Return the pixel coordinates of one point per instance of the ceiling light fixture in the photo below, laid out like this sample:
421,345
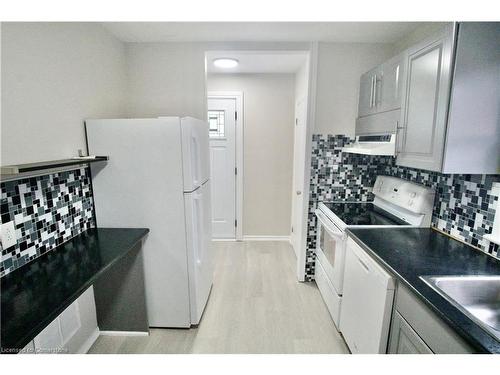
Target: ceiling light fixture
226,63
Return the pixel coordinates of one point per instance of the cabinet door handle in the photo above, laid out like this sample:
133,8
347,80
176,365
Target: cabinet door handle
371,93
375,91
396,92
399,138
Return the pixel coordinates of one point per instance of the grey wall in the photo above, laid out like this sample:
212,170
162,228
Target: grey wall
269,105
166,79
420,33
339,67
54,75
169,78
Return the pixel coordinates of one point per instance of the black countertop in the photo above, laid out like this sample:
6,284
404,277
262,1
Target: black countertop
36,293
409,253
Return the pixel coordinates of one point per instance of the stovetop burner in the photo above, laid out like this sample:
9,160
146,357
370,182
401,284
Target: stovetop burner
362,213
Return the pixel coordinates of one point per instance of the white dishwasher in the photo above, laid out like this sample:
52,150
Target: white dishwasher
366,308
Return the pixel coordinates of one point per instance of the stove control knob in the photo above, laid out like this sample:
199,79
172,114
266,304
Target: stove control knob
410,202
413,195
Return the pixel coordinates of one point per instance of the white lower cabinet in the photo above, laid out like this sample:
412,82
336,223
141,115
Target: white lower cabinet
404,340
29,348
73,331
415,328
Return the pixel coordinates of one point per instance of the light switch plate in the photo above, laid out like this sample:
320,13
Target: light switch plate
8,234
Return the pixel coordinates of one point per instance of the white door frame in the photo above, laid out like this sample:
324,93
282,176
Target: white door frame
310,118
238,96
295,235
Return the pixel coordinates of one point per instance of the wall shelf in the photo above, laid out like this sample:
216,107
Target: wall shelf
18,171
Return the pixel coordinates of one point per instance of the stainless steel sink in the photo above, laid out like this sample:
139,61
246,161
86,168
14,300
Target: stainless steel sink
476,296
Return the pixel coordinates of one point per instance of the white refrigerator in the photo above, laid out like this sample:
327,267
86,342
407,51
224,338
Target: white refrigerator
158,177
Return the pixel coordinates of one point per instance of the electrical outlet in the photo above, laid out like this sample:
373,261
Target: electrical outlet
8,234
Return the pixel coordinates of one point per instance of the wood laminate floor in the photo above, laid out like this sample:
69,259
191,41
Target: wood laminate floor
256,306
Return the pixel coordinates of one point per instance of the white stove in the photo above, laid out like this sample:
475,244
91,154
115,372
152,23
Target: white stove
397,203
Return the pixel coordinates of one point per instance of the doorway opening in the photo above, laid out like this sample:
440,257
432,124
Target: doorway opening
225,118
260,110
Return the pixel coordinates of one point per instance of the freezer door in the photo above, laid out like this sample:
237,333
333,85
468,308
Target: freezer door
195,152
200,251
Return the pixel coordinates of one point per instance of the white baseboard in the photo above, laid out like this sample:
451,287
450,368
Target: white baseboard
124,333
266,238
224,239
89,342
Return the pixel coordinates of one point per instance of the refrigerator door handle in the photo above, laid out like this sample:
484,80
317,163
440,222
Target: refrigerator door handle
195,160
198,227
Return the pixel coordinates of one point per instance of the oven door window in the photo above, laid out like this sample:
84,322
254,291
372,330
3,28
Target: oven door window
328,245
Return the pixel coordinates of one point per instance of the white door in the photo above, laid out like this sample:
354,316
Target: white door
222,133
299,149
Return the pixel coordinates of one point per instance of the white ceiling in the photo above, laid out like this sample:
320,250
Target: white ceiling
258,62
354,32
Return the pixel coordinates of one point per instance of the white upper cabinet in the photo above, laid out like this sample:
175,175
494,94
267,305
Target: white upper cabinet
367,104
423,125
380,89
442,99
380,92
473,132
450,119
390,87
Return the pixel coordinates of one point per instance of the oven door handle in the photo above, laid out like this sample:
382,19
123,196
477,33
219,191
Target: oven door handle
329,226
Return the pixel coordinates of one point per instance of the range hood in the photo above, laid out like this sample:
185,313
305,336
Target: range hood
383,144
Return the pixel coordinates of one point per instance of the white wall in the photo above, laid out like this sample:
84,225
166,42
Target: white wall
169,78
268,148
302,81
166,79
420,33
339,68
54,75
1,94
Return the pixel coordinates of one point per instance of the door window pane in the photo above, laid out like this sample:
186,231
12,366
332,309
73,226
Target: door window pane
216,123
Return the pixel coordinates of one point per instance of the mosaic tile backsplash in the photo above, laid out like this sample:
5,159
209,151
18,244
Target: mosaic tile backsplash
47,211
464,205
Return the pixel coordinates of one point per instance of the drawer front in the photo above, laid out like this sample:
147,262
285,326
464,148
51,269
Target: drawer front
331,298
438,336
379,123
